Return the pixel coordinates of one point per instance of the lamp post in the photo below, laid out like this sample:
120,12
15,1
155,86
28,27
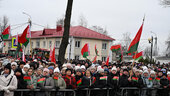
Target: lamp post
151,42
30,23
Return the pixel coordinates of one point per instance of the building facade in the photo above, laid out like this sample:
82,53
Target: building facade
79,36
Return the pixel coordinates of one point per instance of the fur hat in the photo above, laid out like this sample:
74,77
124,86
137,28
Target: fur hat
114,68
46,69
56,70
152,72
14,63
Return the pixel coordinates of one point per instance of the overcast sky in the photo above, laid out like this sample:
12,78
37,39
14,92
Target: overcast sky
117,16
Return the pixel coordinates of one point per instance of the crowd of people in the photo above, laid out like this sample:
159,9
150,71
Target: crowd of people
81,74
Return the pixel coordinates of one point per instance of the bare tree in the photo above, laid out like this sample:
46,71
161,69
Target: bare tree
147,51
60,21
82,21
99,29
4,23
64,42
165,3
126,40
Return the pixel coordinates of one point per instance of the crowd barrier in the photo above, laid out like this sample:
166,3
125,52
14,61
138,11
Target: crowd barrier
122,91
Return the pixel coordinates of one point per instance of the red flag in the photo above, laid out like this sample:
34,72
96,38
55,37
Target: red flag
134,44
23,39
6,33
53,56
85,50
94,60
115,47
138,56
107,61
50,53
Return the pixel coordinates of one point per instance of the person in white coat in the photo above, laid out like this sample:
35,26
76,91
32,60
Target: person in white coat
8,81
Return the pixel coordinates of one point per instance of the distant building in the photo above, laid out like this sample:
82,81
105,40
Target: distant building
78,37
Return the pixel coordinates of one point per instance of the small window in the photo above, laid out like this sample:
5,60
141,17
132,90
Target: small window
77,44
77,57
50,44
57,44
103,58
38,44
44,44
104,46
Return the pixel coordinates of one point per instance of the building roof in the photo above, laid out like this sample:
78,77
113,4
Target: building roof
75,31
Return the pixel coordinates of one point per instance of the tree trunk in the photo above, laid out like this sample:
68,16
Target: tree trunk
65,38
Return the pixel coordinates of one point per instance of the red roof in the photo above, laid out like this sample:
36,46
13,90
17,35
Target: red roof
75,31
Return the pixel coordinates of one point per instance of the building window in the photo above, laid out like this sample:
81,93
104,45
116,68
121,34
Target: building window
38,44
103,58
50,44
77,57
44,44
57,44
77,44
104,46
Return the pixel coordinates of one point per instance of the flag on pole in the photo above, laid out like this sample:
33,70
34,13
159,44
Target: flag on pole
138,56
85,50
50,53
23,38
29,32
134,44
53,56
115,48
107,61
96,51
95,58
6,33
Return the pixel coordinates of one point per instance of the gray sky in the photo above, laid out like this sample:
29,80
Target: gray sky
117,16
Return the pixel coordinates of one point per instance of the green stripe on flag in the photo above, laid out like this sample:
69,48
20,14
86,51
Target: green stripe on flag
5,36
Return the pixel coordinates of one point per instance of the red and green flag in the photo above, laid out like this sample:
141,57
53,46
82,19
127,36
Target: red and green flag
96,51
41,80
103,78
107,61
138,56
115,78
94,80
85,50
55,78
134,44
95,58
135,79
6,33
157,79
79,82
115,48
27,78
68,77
23,38
53,56
150,79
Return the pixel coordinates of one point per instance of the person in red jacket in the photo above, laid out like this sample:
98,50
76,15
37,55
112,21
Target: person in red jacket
70,80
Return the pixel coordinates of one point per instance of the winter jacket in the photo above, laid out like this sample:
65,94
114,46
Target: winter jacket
154,82
32,81
164,82
136,81
4,82
60,83
123,81
146,82
101,81
113,80
70,82
87,82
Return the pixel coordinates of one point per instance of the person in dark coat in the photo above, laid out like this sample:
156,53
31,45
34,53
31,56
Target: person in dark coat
113,81
21,83
101,82
164,84
78,78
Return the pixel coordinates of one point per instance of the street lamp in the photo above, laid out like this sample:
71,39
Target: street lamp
151,42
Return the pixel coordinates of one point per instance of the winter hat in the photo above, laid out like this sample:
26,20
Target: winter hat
137,70
8,66
168,73
78,70
46,69
18,70
26,66
164,74
140,71
77,67
56,70
114,68
125,70
22,62
83,67
163,70
5,62
14,63
68,70
51,67
152,72
145,71
100,70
